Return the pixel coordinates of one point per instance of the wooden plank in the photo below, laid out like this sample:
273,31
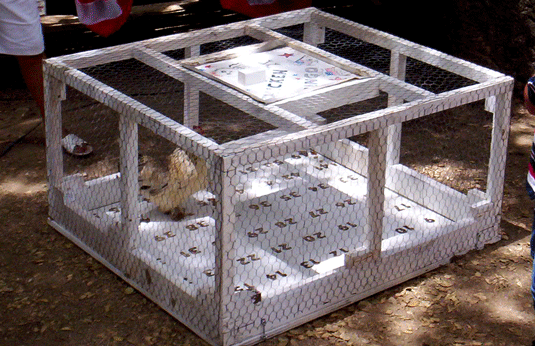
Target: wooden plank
98,56
498,150
426,191
375,201
103,191
191,94
129,185
331,97
410,49
227,54
347,153
54,93
225,247
398,65
244,142
401,90
404,181
93,194
313,34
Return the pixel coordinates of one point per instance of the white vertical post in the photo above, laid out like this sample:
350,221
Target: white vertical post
54,93
128,135
191,94
398,63
490,104
313,34
377,155
225,257
498,148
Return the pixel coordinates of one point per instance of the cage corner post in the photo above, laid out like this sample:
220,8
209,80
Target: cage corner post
498,152
224,250
54,94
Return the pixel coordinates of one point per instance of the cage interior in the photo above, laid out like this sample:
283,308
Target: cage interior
196,195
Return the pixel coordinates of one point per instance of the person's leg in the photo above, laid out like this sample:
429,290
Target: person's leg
21,36
532,247
31,67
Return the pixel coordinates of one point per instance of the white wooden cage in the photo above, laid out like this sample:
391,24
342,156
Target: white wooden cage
294,205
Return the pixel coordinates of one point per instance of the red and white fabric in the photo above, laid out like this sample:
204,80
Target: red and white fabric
103,17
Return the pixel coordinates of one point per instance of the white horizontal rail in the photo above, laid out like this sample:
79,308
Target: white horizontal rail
141,114
353,126
183,40
410,49
327,98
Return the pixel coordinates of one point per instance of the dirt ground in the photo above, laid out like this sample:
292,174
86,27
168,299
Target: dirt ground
53,293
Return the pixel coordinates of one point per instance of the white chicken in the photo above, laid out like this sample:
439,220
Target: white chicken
170,188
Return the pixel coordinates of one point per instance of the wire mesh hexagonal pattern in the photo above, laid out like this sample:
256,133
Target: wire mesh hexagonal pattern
254,176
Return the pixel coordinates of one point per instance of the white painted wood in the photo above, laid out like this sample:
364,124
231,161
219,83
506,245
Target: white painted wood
490,104
225,249
498,148
191,94
398,65
98,56
377,144
91,194
422,189
309,104
313,34
402,90
407,48
54,93
297,221
374,120
151,295
260,137
128,160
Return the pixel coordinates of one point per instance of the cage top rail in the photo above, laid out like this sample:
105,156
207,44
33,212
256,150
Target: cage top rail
181,40
280,114
405,47
354,126
312,15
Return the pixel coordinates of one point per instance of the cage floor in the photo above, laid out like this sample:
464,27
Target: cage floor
295,220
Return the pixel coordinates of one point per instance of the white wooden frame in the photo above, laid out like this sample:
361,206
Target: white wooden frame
218,320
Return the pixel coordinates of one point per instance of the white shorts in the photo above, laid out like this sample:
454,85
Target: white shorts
20,28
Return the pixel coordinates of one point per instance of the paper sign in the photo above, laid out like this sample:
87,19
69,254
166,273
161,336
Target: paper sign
288,73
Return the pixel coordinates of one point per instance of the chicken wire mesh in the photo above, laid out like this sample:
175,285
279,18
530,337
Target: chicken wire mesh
251,177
